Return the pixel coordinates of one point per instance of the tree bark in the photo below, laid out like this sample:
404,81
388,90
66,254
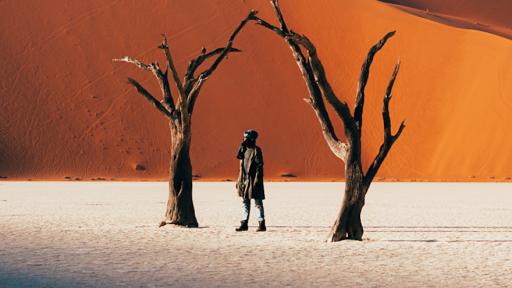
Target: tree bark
348,222
180,206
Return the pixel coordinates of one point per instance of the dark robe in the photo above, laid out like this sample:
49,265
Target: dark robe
250,179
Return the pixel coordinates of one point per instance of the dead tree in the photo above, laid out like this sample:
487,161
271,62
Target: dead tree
348,222
178,110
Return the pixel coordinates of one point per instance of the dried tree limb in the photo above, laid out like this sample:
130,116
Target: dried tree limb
269,26
340,107
314,87
194,64
162,78
166,90
363,80
194,93
190,79
389,139
385,109
229,46
348,224
339,148
136,62
194,87
387,97
317,103
279,15
150,97
179,86
316,99
314,73
180,209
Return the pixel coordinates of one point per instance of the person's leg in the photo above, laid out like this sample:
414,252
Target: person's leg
261,215
247,209
244,224
261,212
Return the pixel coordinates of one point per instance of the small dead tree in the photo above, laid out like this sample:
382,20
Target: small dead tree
180,206
348,222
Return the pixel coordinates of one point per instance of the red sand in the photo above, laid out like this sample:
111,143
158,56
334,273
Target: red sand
68,111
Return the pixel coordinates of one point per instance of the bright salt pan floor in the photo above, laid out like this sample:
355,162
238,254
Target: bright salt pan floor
105,235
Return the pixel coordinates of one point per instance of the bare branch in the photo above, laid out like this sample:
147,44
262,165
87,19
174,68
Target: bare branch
338,148
363,79
389,139
314,86
348,225
340,107
387,98
194,92
194,86
162,78
166,90
190,79
217,51
165,46
150,97
279,14
268,26
229,46
136,62
316,101
399,132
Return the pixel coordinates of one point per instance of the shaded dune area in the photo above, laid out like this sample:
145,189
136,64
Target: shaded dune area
488,16
67,112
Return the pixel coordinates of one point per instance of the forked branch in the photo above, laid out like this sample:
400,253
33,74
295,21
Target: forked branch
313,73
229,45
279,15
162,78
195,88
389,138
179,86
150,97
190,78
268,26
339,106
189,91
363,80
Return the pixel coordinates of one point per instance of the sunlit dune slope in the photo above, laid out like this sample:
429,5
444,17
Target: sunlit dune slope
67,110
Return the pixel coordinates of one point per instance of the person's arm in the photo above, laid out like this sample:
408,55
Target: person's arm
241,151
258,161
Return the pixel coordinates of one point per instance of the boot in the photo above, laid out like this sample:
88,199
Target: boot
243,226
262,227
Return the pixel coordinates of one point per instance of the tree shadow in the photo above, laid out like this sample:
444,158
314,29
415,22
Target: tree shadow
448,241
416,229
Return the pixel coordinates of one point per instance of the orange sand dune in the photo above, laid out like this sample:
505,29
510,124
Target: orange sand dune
67,111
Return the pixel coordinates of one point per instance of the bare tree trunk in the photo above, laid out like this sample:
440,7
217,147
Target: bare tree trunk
178,110
180,206
348,222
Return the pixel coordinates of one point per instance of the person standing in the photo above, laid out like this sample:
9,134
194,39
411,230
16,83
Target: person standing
250,180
